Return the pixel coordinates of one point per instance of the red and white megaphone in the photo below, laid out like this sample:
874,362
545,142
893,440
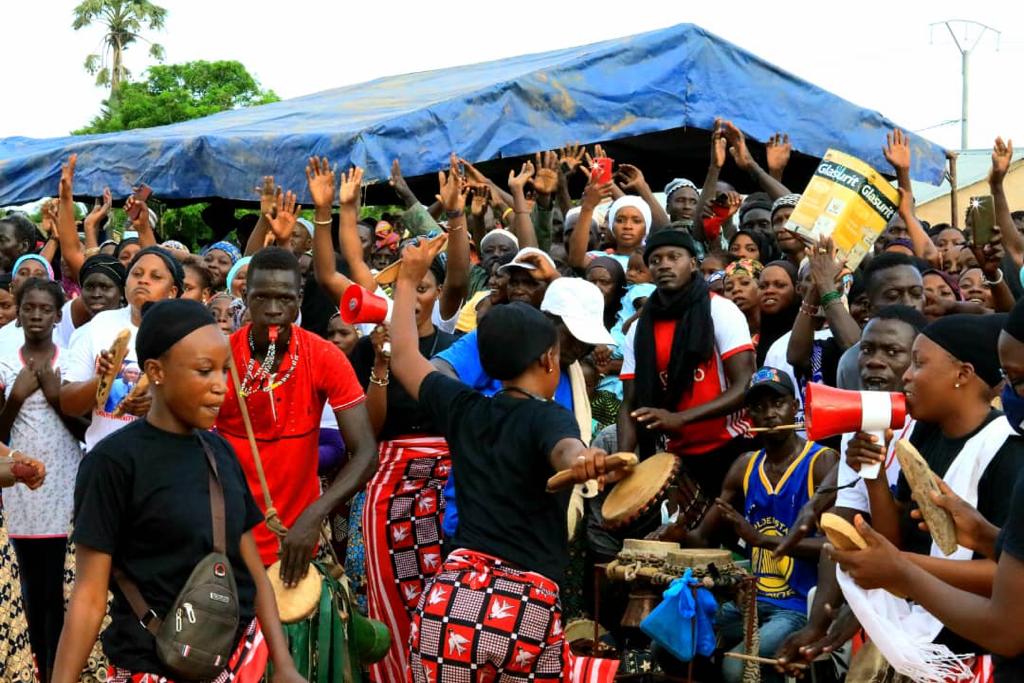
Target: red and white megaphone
360,306
829,411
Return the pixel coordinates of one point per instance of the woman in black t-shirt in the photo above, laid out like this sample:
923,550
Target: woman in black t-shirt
142,505
493,605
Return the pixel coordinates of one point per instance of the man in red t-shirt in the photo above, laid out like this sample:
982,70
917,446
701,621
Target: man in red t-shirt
286,381
685,366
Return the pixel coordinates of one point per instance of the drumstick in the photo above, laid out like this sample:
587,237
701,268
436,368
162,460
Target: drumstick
615,461
759,430
764,660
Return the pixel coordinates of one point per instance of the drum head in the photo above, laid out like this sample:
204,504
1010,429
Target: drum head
298,603
639,489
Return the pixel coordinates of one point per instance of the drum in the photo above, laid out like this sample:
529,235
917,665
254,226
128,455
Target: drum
634,504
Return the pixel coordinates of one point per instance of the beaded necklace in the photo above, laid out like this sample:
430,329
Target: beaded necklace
261,377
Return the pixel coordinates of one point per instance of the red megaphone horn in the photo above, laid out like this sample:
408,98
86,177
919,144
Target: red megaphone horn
829,411
360,306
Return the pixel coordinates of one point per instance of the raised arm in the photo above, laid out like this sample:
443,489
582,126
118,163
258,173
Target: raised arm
348,229
707,192
897,153
141,225
92,222
631,179
320,178
456,278
741,155
407,363
777,152
522,224
268,203
1013,243
283,219
592,196
67,233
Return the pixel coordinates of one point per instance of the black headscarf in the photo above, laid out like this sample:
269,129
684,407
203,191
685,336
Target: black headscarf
614,268
165,323
106,265
173,265
971,339
766,244
692,344
775,325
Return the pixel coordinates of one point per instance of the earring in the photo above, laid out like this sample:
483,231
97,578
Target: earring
158,383
549,371
957,385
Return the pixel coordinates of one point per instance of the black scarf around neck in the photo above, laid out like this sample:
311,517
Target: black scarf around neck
692,344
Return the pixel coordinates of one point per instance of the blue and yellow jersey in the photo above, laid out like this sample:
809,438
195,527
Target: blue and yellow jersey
781,581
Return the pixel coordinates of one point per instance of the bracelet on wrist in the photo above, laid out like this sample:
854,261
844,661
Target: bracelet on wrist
326,222
997,281
453,214
506,212
378,381
829,298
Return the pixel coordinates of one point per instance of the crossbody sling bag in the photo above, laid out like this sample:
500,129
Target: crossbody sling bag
197,636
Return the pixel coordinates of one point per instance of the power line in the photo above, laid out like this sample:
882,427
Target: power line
966,46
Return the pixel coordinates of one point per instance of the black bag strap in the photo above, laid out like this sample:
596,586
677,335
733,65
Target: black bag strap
149,619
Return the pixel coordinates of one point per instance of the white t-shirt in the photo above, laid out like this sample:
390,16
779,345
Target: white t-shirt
39,433
63,330
328,420
78,364
856,497
12,338
776,358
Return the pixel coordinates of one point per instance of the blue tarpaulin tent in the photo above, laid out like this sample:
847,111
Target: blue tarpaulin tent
676,79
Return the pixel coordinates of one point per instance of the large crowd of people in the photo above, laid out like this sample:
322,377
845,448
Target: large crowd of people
527,331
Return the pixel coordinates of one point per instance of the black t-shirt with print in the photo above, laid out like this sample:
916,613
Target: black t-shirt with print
501,448
142,496
994,492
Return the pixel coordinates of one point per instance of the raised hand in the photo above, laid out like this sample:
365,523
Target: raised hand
417,257
518,182
825,271
897,150
481,198
320,177
1002,155
593,193
267,194
50,211
630,178
141,222
737,145
718,145
398,184
570,157
452,195
286,213
778,151
351,186
545,181
100,209
67,178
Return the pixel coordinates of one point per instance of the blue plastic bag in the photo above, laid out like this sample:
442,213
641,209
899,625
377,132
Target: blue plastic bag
683,624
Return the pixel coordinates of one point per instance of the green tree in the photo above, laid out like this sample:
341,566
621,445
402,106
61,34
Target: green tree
123,22
179,92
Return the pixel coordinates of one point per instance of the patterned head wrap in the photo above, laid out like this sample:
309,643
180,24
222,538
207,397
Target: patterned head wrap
785,200
231,250
677,183
32,257
744,266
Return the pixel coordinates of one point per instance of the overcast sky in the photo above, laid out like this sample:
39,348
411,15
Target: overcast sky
881,55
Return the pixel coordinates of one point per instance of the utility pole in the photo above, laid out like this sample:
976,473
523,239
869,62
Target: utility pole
966,46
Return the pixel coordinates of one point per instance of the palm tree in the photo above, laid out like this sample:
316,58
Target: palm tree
123,21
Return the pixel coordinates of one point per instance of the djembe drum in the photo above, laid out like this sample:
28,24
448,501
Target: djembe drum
633,507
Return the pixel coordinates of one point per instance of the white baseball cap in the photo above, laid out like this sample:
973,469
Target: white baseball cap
580,305
518,262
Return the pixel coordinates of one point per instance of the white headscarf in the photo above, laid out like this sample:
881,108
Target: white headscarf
635,202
